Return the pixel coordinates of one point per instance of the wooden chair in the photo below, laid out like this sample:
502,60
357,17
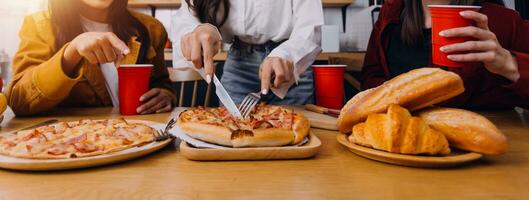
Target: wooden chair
188,75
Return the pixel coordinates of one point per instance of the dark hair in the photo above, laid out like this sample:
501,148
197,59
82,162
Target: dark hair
214,12
412,18
67,25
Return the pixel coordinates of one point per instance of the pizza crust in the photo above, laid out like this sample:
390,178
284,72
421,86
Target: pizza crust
205,132
260,137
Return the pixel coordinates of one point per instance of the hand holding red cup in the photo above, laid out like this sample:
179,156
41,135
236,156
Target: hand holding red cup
485,48
135,97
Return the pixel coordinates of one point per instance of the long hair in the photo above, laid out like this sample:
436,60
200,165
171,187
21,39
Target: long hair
412,18
67,25
214,12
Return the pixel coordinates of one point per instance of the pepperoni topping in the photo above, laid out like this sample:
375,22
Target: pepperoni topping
57,149
10,143
85,148
125,141
77,139
31,135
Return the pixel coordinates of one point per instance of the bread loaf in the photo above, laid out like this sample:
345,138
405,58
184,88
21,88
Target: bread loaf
466,130
414,90
399,132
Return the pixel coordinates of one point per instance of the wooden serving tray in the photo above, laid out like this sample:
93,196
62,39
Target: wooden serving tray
454,159
307,150
318,120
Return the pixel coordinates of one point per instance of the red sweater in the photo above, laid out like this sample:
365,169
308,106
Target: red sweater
482,88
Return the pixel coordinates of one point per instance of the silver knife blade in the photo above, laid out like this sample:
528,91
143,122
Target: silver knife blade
223,95
225,98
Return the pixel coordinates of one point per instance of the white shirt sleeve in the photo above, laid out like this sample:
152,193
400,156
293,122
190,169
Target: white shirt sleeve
182,23
304,43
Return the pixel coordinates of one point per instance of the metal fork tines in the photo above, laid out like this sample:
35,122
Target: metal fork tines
248,103
163,134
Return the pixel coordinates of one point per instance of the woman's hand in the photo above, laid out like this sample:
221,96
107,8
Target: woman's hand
486,49
95,47
277,69
200,46
155,101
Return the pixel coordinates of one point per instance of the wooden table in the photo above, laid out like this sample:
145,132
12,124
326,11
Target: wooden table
335,173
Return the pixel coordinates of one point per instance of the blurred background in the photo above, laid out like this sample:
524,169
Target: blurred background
348,24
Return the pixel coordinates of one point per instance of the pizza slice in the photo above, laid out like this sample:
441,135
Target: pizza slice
267,126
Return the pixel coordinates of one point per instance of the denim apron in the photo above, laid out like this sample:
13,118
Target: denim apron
241,75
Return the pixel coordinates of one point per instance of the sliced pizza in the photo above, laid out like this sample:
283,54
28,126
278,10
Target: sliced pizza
75,139
265,127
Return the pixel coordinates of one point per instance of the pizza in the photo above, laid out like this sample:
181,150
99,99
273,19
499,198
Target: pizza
266,126
75,139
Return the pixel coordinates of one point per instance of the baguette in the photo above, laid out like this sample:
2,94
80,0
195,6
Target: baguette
414,90
466,130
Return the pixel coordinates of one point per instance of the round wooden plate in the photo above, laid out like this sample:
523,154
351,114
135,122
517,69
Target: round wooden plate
75,163
455,158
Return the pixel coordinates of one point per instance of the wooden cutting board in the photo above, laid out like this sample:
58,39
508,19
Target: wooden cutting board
318,120
308,150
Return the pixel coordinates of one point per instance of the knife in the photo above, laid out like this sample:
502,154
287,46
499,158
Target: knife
322,110
223,95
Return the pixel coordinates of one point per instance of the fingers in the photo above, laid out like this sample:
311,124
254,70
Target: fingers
485,57
166,108
209,52
89,56
470,46
196,52
157,102
469,31
150,94
283,71
150,106
279,72
480,19
117,43
108,50
184,45
101,59
265,73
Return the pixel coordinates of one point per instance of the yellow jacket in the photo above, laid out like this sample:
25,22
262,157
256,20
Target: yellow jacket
39,83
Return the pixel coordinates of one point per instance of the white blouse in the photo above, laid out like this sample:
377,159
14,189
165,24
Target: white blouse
259,21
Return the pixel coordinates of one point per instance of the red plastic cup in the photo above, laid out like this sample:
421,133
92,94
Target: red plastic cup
446,17
133,82
329,85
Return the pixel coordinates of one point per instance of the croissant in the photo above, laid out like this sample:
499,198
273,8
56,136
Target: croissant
399,132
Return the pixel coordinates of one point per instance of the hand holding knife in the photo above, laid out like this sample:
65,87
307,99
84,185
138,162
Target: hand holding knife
223,95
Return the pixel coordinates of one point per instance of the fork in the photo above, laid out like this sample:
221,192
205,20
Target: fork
248,103
163,134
